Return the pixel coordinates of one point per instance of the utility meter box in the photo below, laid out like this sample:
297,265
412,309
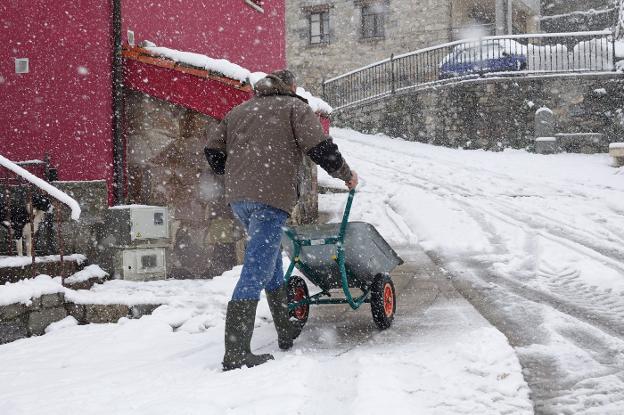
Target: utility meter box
136,225
136,241
141,264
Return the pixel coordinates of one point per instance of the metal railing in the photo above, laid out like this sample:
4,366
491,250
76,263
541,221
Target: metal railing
471,58
19,197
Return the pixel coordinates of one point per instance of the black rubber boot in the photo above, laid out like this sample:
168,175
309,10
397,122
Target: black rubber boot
239,326
278,304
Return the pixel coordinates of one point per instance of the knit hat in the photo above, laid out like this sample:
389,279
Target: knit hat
285,76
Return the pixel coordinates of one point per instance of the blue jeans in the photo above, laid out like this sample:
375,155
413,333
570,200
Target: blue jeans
262,268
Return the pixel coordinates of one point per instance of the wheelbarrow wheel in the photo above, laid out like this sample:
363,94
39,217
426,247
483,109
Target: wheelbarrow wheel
383,301
298,291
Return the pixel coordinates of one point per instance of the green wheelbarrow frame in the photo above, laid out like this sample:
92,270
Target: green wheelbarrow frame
324,296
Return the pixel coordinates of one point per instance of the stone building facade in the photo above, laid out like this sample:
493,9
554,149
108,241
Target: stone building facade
326,38
578,15
167,167
462,114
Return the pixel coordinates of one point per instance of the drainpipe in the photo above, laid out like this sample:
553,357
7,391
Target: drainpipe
500,17
510,17
117,72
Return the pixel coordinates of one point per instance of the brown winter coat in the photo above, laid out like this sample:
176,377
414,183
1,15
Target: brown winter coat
264,140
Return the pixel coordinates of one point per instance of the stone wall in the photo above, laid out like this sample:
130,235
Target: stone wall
166,167
21,320
78,236
409,25
494,113
577,15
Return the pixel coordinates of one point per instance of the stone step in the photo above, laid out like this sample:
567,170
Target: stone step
14,268
616,150
20,320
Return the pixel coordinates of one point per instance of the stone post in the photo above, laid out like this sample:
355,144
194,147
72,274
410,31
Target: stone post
545,140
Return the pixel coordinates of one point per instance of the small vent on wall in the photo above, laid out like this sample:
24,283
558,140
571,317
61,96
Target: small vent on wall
256,4
22,65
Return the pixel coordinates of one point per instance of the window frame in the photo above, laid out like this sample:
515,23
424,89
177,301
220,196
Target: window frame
323,21
378,21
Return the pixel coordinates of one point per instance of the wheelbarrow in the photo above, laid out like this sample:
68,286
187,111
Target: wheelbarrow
346,255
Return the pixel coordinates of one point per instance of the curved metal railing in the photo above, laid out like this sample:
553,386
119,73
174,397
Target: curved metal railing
543,53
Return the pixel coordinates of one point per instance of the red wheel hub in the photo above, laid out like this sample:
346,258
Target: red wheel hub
302,311
388,297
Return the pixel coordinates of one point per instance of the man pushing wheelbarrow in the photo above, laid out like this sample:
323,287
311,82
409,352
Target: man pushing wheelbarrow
259,147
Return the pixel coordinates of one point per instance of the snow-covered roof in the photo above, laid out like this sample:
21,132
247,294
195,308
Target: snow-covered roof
229,70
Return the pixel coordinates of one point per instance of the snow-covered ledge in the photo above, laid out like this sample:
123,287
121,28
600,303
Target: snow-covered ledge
43,185
229,70
616,150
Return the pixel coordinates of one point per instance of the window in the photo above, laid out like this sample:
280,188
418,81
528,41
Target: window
319,28
373,21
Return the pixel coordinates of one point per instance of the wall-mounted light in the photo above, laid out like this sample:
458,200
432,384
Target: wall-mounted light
22,65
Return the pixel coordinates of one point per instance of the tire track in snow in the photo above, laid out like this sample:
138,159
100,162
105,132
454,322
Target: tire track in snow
592,311
551,223
591,326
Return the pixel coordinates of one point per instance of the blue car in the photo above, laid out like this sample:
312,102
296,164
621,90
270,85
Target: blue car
481,57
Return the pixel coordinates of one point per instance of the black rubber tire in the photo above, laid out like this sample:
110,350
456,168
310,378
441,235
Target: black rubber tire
297,288
382,291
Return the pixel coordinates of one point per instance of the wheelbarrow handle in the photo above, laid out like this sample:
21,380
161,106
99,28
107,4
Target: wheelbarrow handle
345,216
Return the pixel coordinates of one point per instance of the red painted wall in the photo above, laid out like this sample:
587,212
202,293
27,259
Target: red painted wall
63,106
228,29
207,96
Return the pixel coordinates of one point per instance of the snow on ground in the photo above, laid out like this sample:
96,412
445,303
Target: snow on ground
24,261
539,240
23,291
540,235
169,363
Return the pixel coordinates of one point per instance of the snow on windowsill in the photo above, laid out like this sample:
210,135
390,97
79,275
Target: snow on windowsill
230,70
616,145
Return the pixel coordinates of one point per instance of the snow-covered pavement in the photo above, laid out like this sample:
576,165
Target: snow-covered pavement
440,357
537,243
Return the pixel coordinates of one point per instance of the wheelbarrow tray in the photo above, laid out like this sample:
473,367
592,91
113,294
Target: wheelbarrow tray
367,254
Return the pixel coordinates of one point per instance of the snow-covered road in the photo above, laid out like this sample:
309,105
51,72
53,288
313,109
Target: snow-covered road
537,243
441,357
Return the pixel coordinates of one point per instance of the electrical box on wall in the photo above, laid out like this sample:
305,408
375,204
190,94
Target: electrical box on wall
134,225
22,65
136,241
141,264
